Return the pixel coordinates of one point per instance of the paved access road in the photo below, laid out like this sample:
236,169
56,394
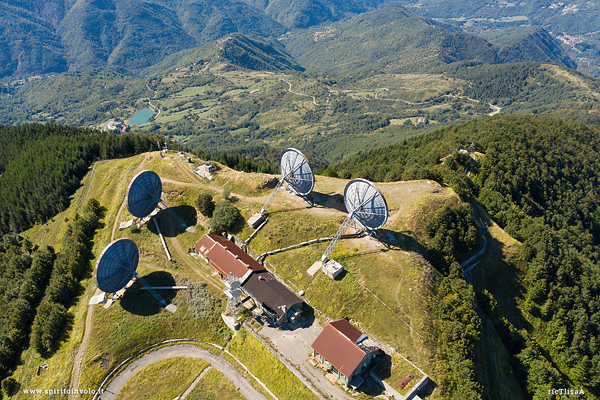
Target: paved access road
182,350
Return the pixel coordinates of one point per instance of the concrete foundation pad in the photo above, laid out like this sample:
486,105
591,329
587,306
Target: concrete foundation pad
332,269
230,322
125,225
171,308
315,268
98,299
255,220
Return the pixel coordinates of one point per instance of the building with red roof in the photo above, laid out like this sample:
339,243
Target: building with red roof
226,257
345,350
277,302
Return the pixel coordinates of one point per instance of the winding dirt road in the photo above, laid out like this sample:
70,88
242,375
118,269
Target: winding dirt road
182,350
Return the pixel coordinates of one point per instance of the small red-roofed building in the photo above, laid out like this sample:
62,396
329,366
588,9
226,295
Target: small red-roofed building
345,350
226,257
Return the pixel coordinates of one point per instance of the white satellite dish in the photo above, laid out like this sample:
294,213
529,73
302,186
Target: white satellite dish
365,205
296,172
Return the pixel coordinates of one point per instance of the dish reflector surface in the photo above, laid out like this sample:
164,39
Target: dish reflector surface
116,265
296,171
365,204
143,194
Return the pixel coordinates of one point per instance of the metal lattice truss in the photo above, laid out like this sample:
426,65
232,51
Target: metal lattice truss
234,295
152,291
336,239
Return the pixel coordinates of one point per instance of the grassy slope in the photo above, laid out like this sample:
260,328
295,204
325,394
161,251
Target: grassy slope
501,274
149,383
214,386
262,363
372,271
391,273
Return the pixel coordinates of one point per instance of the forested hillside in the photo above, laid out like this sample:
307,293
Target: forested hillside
392,39
395,39
535,44
37,288
44,36
572,24
529,87
256,54
44,164
305,13
538,180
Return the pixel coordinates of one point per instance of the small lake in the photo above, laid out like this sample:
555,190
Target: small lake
141,117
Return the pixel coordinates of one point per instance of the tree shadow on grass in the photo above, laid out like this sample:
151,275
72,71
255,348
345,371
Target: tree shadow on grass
140,301
169,226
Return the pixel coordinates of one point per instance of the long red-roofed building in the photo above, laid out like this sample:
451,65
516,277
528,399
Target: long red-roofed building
345,350
226,257
278,302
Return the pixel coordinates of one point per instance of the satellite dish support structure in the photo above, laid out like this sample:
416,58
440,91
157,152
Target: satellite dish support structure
290,173
355,209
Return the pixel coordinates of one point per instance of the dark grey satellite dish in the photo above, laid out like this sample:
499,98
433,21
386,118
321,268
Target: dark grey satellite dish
143,194
117,266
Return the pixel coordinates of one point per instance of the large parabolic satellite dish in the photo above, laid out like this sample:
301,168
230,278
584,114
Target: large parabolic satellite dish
143,194
116,265
365,204
296,172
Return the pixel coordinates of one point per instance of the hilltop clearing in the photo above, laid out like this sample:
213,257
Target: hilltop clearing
536,180
383,289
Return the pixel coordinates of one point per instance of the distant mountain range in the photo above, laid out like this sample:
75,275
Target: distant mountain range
394,39
52,35
44,36
575,23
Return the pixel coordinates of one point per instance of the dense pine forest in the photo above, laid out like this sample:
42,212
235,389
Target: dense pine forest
538,179
42,166
38,286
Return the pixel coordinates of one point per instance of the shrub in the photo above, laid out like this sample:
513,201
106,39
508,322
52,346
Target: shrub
8,386
224,216
205,204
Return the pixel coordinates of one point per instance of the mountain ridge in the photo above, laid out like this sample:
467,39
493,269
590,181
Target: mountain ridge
395,39
46,36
